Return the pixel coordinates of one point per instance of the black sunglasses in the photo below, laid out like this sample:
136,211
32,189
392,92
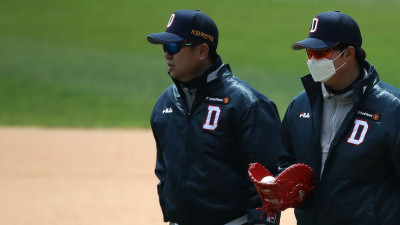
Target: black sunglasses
173,48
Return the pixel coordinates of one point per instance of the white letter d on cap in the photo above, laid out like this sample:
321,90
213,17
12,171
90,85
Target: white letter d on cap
314,25
171,19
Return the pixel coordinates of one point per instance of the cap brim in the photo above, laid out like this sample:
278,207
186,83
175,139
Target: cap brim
163,38
313,43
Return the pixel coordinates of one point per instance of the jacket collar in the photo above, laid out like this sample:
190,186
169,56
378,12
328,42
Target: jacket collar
214,73
364,85
211,73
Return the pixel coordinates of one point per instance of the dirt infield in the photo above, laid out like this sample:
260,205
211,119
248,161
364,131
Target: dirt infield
80,177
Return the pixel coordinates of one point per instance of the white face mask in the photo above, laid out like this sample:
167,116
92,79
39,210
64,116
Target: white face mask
323,69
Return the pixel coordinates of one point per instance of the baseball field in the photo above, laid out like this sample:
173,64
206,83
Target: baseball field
81,177
78,81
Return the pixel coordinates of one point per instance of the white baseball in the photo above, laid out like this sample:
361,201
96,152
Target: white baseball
268,180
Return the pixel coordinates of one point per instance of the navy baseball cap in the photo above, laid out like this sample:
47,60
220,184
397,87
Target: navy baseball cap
184,25
329,29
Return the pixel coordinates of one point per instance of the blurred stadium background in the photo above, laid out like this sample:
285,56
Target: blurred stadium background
86,63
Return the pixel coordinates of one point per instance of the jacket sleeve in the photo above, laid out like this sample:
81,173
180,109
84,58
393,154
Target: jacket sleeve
394,152
160,171
259,142
286,156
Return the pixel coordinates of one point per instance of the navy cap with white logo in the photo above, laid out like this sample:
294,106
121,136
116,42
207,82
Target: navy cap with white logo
329,29
188,25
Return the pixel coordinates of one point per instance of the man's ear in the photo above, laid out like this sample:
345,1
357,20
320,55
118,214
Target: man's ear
350,52
204,51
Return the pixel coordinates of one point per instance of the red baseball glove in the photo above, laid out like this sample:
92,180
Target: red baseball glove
290,188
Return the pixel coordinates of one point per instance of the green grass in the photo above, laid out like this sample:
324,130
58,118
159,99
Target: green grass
86,63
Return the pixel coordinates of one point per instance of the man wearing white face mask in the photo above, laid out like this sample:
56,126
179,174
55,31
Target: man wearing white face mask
346,126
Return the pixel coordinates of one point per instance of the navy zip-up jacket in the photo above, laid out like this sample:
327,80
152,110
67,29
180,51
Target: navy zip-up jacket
203,154
360,184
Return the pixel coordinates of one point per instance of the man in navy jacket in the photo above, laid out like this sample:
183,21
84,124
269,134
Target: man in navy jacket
208,126
346,126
